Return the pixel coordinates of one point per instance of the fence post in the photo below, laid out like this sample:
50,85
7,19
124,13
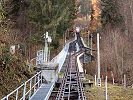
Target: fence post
124,81
95,80
113,81
24,91
106,89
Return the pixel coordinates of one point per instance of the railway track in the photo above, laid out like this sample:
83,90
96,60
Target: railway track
71,87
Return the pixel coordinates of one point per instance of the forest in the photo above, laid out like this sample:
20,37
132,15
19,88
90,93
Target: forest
23,24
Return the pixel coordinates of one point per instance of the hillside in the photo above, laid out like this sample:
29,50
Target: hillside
116,40
113,20
22,25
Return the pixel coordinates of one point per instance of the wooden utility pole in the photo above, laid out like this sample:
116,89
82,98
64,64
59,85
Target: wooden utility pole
98,61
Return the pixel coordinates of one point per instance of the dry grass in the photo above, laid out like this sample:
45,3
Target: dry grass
114,93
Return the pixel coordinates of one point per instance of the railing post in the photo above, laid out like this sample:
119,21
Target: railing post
24,91
17,95
41,78
35,84
30,88
38,80
7,98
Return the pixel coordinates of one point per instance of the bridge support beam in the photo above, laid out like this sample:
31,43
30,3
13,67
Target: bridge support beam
49,74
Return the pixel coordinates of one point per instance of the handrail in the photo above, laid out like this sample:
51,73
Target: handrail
84,43
60,58
37,79
66,47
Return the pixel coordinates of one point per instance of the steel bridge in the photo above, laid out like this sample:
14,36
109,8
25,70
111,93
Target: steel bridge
71,84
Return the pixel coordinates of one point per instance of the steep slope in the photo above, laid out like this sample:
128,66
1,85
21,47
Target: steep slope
23,24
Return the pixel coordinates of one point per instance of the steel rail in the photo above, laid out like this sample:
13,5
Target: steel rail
70,69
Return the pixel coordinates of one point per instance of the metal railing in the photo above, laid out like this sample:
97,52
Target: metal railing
27,89
60,58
